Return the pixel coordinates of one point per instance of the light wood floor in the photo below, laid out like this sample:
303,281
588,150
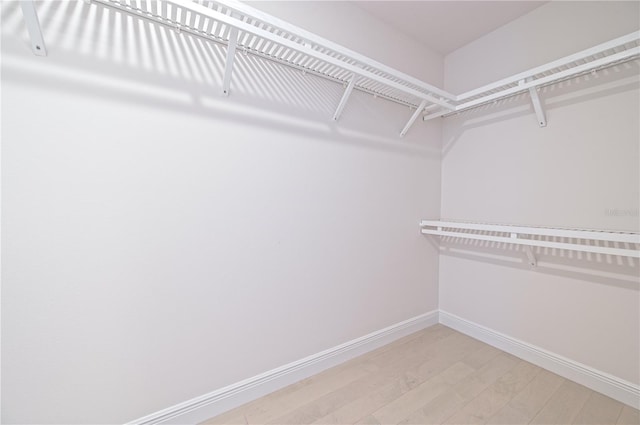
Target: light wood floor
434,376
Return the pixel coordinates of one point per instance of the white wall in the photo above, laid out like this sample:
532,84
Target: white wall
500,167
160,242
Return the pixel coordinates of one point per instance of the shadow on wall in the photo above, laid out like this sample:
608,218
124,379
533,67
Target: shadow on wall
605,82
101,52
603,269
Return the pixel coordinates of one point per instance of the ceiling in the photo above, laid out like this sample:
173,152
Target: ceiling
447,25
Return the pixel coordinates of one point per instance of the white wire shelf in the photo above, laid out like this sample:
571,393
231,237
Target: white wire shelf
610,53
243,28
248,30
625,244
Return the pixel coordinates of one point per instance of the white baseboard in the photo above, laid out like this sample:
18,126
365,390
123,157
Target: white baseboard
614,387
209,405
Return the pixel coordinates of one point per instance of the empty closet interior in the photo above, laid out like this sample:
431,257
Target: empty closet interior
206,201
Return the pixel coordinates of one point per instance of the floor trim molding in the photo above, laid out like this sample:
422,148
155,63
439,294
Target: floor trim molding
612,386
209,405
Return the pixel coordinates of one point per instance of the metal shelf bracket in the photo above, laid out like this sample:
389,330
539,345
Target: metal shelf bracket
33,27
531,258
413,118
345,97
537,104
231,55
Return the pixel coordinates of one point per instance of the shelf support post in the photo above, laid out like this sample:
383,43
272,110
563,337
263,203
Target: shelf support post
414,117
345,97
537,104
231,54
530,256
33,27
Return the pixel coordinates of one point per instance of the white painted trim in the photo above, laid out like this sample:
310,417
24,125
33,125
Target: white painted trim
209,405
612,386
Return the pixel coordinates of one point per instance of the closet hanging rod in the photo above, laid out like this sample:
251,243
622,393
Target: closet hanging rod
521,235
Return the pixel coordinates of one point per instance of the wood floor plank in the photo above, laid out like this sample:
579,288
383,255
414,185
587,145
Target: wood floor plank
509,416
362,407
564,404
629,416
449,403
396,411
379,397
437,410
368,420
599,409
495,397
456,373
479,358
535,395
444,358
376,399
486,375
